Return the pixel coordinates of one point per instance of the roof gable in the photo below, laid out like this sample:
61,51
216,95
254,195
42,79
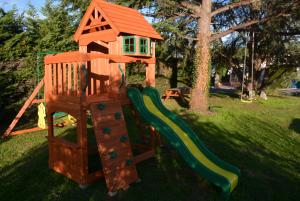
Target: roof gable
94,20
101,16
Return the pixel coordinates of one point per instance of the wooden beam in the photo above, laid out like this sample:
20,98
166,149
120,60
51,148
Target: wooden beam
95,25
37,101
26,131
106,36
84,57
144,156
102,43
23,109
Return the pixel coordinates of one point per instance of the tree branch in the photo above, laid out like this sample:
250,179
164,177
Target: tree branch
233,5
193,7
233,29
288,33
217,36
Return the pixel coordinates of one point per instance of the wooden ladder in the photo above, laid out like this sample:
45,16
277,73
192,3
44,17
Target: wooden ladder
113,145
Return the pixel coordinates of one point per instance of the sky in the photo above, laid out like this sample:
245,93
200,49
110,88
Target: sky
20,4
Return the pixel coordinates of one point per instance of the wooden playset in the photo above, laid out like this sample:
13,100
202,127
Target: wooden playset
92,81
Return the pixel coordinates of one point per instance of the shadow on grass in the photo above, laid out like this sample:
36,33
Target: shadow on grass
29,178
184,103
295,125
265,174
233,93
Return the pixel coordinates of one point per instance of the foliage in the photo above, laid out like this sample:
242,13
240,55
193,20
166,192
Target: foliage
57,31
12,44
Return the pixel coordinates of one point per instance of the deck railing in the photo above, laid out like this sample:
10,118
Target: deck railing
69,74
64,79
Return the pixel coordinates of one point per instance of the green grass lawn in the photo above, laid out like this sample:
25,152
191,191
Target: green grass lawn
262,139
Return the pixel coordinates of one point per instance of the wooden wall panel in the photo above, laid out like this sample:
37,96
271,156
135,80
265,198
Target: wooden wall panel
99,67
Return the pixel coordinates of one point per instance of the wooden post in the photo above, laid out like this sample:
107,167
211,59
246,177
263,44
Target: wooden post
150,75
83,49
82,142
117,79
48,81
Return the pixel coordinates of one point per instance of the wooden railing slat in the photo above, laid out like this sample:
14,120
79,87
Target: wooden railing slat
64,78
55,91
69,92
75,79
59,78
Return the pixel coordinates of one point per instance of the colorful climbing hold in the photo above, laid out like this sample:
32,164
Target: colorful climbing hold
129,162
123,139
101,106
113,155
106,130
118,115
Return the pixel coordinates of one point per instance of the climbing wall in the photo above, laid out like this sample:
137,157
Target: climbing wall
113,145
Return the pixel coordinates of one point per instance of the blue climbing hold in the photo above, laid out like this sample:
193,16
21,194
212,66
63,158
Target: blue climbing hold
123,139
106,131
118,115
129,162
101,106
113,155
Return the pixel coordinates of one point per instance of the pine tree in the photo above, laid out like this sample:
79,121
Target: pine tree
57,28
12,44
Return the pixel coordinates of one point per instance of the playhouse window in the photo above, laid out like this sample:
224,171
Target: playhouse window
143,45
129,44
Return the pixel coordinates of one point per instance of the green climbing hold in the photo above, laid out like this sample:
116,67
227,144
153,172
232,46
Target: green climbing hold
101,106
118,115
113,155
129,162
123,139
106,130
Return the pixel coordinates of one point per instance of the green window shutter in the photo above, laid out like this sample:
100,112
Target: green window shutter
143,45
129,44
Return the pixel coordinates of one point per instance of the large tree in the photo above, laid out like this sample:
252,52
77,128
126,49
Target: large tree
226,17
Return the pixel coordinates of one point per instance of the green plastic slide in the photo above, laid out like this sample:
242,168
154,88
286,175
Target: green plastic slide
184,139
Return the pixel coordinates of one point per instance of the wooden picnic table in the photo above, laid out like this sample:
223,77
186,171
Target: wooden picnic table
176,93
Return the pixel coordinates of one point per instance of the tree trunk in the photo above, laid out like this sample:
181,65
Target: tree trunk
174,76
200,92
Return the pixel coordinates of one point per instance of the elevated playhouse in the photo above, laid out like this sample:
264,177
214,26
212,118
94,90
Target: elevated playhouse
93,79
92,82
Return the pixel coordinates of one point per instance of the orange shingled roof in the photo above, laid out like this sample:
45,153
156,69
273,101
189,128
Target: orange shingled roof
122,20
